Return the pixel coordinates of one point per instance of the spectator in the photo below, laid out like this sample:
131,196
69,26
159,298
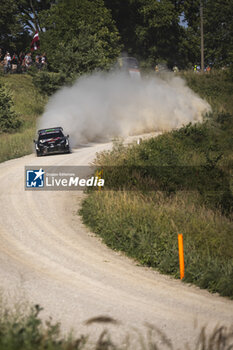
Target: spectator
38,61
21,62
28,60
23,66
14,63
21,57
7,62
44,61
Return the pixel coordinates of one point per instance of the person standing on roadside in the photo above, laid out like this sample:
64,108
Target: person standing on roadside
28,60
44,61
21,57
7,63
38,61
14,63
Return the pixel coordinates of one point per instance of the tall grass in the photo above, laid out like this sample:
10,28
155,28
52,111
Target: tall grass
16,145
27,101
145,226
215,87
28,104
22,329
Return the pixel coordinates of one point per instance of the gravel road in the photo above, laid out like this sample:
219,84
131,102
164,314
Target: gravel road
48,257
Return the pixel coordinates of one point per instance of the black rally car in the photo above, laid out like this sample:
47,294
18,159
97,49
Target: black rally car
51,141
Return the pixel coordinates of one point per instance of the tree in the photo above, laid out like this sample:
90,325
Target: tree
29,11
11,32
149,28
159,31
79,36
7,18
218,31
218,28
125,15
18,20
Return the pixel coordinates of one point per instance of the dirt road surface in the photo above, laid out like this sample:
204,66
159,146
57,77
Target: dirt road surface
48,257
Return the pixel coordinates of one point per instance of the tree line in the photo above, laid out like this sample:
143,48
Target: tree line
82,35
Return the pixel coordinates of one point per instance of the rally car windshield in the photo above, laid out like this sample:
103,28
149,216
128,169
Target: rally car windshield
130,62
51,135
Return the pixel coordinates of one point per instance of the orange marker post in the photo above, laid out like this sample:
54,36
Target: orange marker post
181,255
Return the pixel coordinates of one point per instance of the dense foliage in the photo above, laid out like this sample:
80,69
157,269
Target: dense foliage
218,28
9,120
150,29
154,30
80,36
18,19
12,35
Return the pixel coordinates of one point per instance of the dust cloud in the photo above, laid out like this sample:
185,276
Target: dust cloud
106,105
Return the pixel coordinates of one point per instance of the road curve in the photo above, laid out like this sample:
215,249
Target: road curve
48,257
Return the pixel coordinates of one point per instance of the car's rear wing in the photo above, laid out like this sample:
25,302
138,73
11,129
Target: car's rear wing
50,130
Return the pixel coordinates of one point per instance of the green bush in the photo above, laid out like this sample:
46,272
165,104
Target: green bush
48,83
215,87
194,158
9,120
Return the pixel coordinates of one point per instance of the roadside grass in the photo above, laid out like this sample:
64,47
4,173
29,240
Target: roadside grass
145,227
29,104
155,197
194,158
16,145
215,87
22,329
27,101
